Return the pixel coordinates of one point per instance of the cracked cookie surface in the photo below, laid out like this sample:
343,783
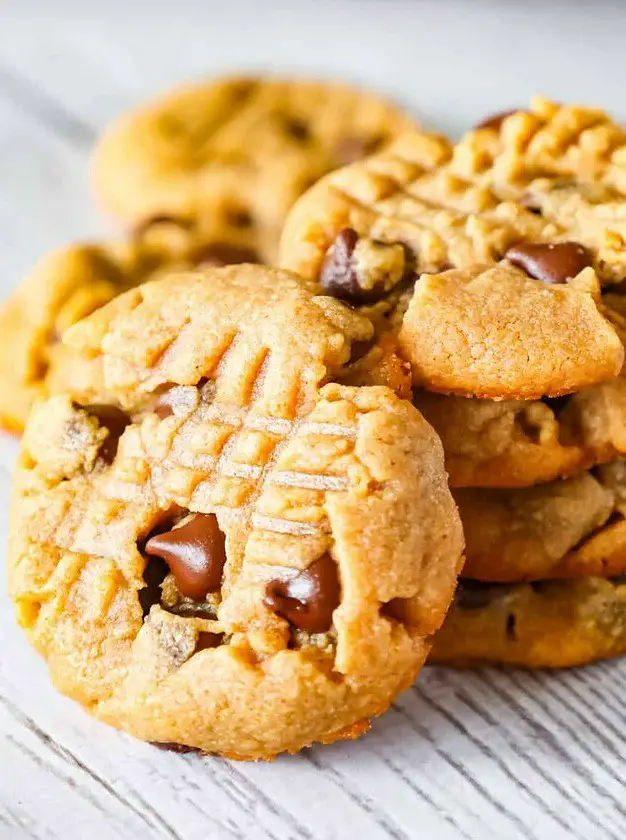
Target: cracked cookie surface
237,151
233,553
70,284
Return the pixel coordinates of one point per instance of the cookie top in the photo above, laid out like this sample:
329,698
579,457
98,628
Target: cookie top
68,285
517,443
550,140
562,529
548,624
499,332
237,151
234,553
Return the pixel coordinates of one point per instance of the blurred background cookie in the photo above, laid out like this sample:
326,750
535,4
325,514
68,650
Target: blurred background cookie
236,152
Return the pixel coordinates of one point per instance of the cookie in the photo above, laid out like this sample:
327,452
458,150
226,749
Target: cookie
71,283
234,553
562,529
548,624
237,151
505,332
517,443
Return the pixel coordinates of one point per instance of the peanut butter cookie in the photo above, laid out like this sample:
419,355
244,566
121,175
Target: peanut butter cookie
237,152
547,624
517,443
233,553
563,529
71,283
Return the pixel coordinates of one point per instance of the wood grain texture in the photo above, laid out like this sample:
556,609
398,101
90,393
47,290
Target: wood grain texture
485,756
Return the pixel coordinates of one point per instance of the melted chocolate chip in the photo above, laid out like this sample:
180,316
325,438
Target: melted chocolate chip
495,120
551,263
218,254
339,276
195,553
309,599
115,421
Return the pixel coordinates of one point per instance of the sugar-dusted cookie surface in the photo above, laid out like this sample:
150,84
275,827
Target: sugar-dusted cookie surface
71,283
547,624
563,529
237,151
233,553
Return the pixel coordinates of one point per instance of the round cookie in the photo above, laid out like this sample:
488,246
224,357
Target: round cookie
551,624
71,283
233,553
517,443
564,529
237,151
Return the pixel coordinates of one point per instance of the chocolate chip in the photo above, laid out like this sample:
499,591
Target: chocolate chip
115,421
511,623
340,277
195,553
350,149
172,746
495,120
309,599
550,263
218,254
208,640
298,129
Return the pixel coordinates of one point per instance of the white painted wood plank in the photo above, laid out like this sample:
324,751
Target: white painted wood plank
488,756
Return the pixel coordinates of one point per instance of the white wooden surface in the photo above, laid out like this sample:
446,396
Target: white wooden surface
487,756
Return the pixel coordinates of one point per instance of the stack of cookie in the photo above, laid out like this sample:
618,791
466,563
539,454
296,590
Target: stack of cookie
513,334
232,529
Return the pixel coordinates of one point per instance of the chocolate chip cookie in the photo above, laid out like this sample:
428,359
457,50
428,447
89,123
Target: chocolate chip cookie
548,624
562,529
523,284
236,152
233,552
69,284
517,443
